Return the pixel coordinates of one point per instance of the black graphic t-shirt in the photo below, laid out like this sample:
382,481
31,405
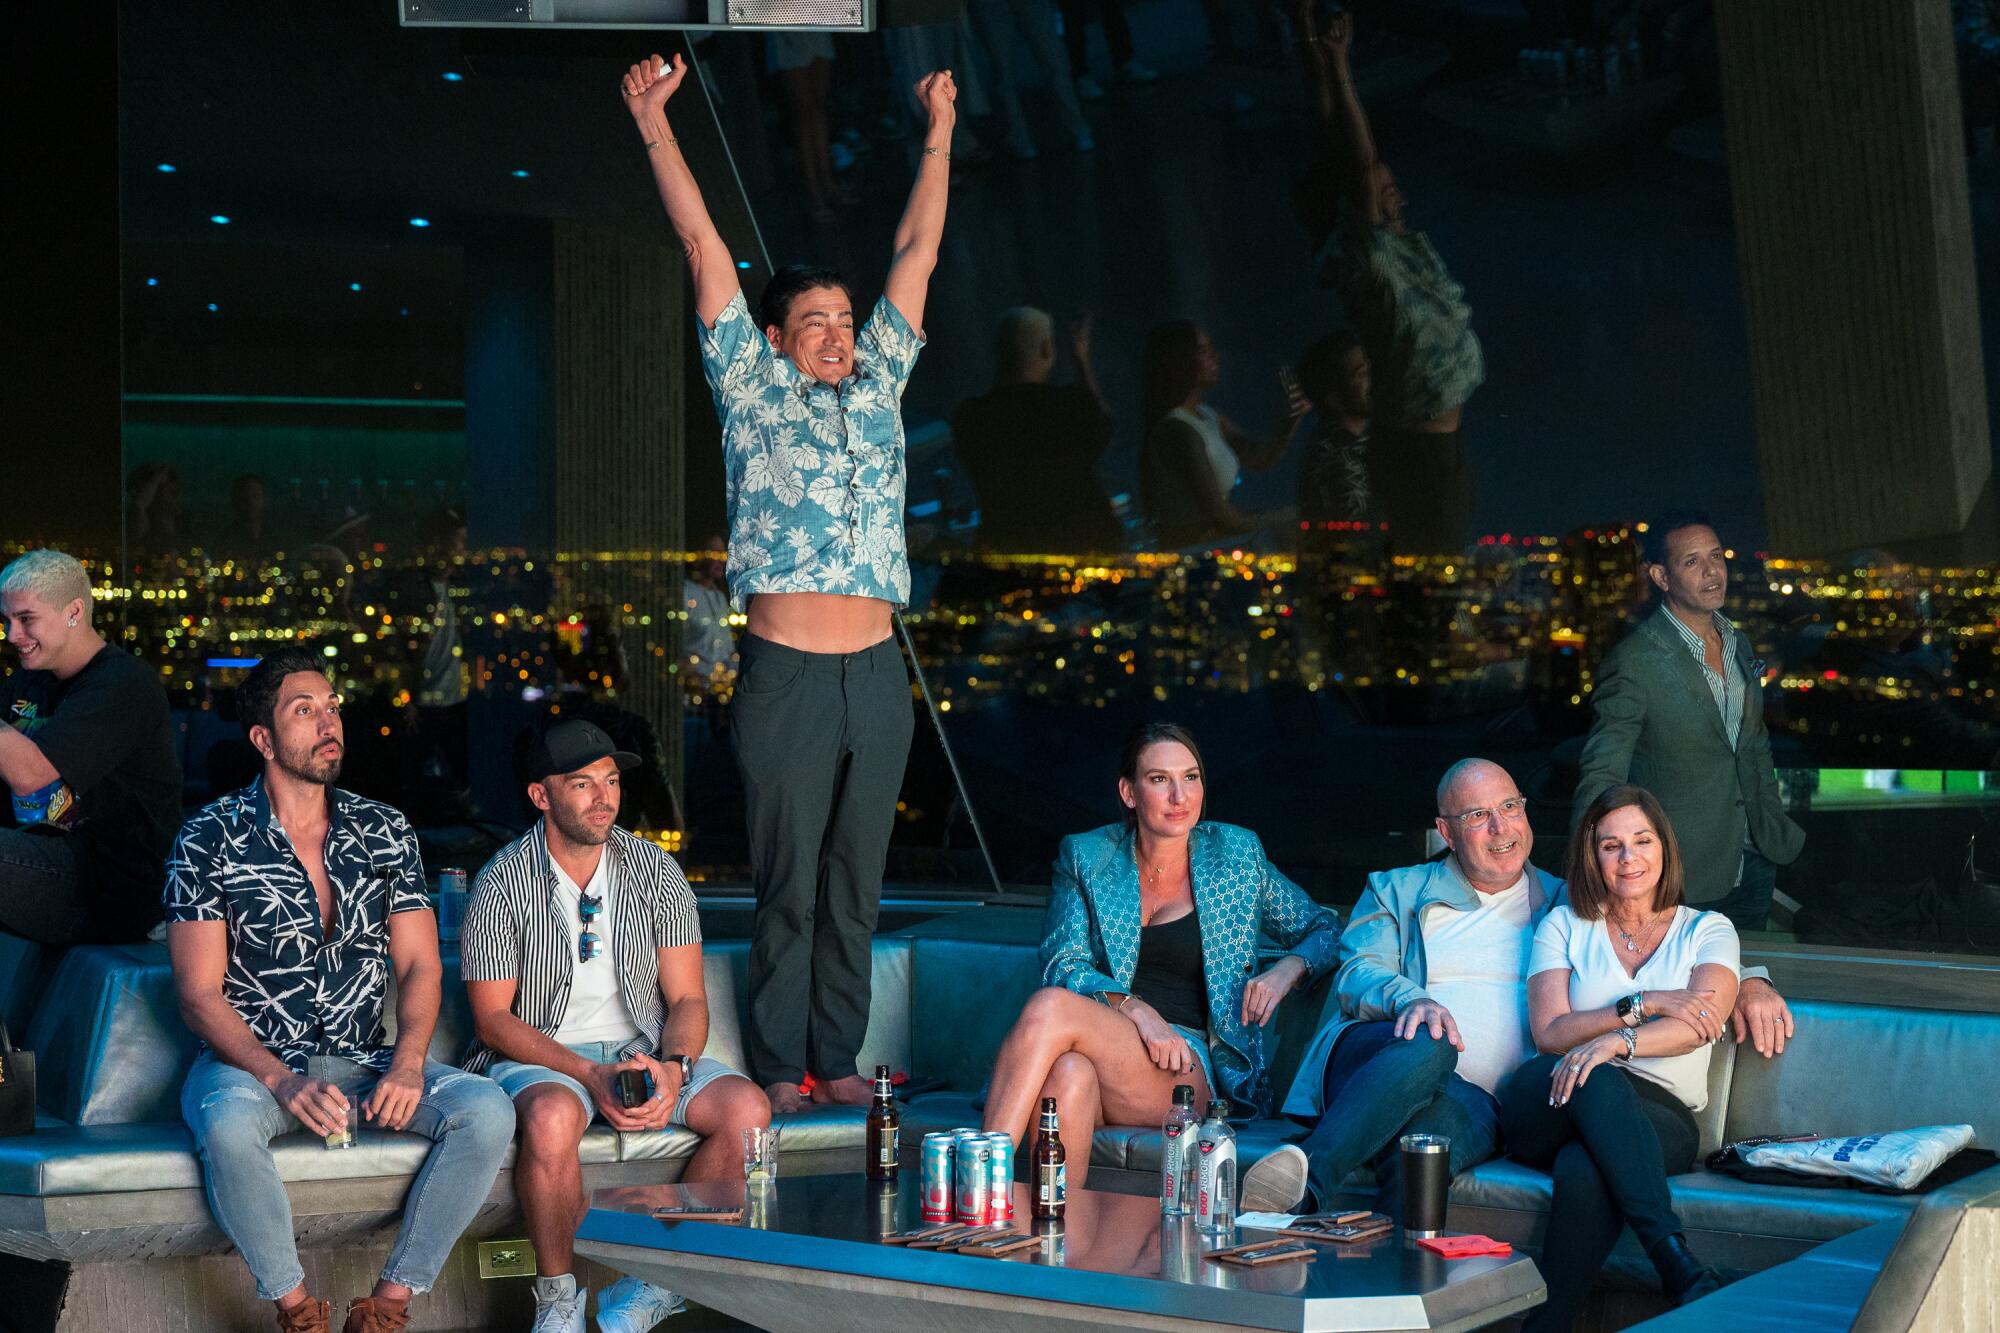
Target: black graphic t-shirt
299,993
107,733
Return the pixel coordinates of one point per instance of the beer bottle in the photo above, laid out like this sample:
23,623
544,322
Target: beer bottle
1051,1171
885,1125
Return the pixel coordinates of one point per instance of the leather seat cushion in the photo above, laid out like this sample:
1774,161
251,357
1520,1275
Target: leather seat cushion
111,1159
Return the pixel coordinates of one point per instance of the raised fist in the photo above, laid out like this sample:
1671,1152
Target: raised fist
648,84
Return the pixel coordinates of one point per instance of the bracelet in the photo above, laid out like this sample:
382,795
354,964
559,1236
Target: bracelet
937,152
651,144
1631,1042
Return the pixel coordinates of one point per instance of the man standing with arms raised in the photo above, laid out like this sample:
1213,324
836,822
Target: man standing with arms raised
812,438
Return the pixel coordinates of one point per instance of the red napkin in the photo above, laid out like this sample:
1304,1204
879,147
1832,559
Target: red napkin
1465,1247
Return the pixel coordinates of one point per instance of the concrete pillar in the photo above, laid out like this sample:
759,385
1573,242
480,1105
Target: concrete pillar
1847,166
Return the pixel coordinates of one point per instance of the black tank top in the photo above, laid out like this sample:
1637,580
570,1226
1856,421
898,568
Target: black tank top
1169,976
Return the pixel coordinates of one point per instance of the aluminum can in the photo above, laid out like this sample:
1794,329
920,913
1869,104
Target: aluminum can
451,902
937,1179
972,1180
1000,1178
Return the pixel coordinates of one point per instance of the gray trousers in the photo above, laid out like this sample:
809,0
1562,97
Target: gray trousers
822,740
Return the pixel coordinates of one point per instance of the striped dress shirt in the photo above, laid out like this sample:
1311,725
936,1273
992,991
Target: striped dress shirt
1726,685
517,930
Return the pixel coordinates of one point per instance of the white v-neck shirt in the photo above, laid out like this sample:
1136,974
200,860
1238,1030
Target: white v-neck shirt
1589,952
597,1010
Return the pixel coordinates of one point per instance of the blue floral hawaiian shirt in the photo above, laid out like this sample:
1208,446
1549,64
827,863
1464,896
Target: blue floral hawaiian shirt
815,471
301,995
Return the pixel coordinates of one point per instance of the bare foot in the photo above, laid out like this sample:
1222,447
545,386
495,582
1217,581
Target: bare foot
853,1090
784,1097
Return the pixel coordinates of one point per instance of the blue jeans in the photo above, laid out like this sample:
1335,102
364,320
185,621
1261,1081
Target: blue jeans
234,1119
1379,1088
1748,905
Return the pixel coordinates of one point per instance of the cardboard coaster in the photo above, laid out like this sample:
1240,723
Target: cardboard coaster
698,1212
945,1240
1249,1247
1257,1256
919,1233
1341,1228
994,1247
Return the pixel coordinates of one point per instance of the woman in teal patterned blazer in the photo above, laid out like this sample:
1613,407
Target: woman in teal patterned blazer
1149,961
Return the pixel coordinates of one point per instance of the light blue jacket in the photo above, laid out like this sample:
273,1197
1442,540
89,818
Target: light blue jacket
1382,966
1090,939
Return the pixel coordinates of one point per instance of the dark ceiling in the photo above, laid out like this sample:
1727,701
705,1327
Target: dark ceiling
320,132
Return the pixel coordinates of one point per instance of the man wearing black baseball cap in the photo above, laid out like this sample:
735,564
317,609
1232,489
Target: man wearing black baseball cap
581,954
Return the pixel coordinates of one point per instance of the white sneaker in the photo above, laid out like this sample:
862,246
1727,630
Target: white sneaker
631,1306
559,1305
1089,89
1275,1183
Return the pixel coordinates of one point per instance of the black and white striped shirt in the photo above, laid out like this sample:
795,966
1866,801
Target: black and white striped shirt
516,930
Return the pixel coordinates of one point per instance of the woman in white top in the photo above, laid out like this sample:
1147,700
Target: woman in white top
1628,988
1193,455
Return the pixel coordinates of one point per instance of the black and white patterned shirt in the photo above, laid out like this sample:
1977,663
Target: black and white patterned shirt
516,929
301,995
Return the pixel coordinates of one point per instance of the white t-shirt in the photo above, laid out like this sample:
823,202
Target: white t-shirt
1597,979
596,1009
1476,965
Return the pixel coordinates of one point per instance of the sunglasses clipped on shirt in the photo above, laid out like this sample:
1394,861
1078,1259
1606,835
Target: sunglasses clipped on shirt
589,944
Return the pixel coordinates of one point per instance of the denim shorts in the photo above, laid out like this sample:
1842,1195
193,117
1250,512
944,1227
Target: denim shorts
515,1078
1197,1041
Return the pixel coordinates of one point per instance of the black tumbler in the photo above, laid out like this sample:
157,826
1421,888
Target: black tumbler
1426,1183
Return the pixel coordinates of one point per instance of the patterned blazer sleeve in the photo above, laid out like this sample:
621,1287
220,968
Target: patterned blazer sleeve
1068,958
1303,927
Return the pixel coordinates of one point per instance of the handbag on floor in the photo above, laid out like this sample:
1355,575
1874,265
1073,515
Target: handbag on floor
17,1088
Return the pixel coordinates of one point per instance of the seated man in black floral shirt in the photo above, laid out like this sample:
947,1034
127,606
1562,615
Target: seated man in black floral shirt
287,905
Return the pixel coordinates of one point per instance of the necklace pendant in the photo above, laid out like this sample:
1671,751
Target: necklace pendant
1631,946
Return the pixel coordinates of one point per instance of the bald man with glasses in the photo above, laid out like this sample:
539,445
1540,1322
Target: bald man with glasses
1433,1003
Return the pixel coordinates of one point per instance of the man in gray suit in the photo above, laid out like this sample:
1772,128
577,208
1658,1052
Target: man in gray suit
1679,711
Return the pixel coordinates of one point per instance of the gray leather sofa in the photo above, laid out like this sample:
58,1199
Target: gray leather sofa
1850,1069
111,1174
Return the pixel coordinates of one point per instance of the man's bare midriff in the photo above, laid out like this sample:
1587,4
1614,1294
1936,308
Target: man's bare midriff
819,622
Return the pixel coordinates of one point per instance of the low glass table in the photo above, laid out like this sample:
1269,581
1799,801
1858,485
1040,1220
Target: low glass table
807,1256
